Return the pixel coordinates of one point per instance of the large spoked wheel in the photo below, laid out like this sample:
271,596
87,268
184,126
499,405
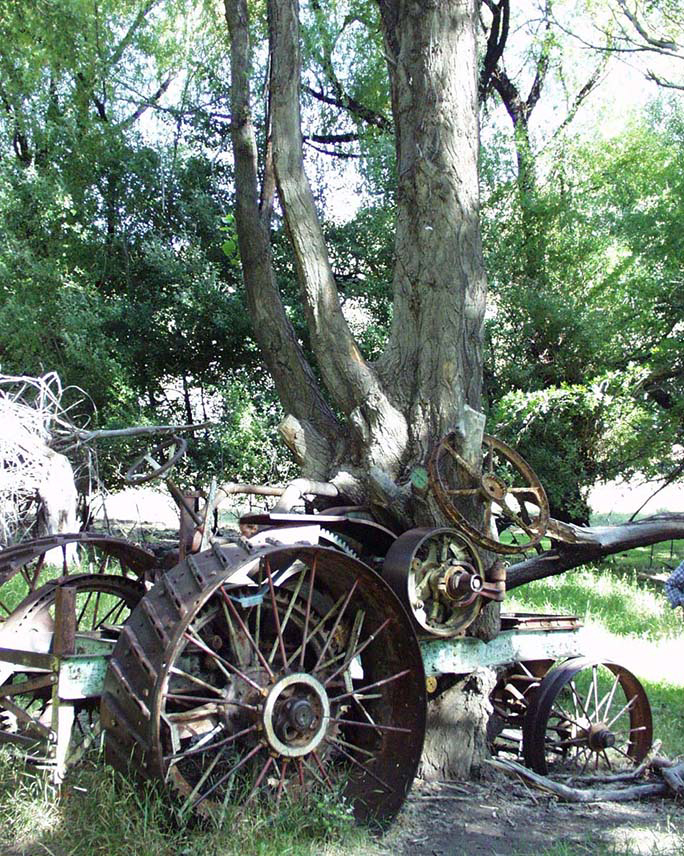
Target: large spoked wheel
507,493
438,576
28,566
259,678
587,716
102,605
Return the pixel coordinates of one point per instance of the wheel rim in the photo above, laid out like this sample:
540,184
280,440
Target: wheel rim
24,569
312,678
103,603
424,567
505,493
510,700
588,715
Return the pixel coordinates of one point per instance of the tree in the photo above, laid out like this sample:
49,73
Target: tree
365,425
429,375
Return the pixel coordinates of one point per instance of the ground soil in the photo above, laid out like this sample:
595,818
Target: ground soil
503,817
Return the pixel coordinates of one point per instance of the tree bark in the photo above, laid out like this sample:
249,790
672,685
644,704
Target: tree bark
433,361
294,379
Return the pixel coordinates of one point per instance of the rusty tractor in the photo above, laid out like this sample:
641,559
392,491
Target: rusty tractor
301,651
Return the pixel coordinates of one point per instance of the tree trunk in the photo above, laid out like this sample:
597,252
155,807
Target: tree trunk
429,379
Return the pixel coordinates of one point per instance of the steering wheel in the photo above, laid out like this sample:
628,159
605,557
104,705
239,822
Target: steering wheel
170,450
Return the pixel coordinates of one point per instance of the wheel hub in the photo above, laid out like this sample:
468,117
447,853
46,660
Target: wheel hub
494,487
296,715
599,736
460,583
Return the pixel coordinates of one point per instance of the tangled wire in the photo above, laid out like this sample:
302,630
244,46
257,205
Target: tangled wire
34,422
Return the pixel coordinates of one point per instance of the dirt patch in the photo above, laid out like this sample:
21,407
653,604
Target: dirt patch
504,818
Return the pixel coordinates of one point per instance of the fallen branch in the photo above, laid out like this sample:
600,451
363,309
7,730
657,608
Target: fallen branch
582,544
627,775
580,795
672,773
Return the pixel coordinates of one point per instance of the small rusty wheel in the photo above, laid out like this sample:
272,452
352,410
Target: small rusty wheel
29,565
103,603
510,700
587,715
507,493
438,576
247,677
146,467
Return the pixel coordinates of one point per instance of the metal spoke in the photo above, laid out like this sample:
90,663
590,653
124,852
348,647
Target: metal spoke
281,783
216,702
363,767
205,775
627,707
608,697
372,686
288,612
245,630
319,763
230,772
359,649
339,741
370,725
223,664
276,617
200,750
83,611
259,780
573,690
306,616
97,607
335,625
176,671
315,630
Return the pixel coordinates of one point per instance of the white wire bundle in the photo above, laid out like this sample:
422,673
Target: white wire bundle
32,417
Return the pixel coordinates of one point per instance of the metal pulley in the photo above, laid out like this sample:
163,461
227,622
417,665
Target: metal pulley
439,577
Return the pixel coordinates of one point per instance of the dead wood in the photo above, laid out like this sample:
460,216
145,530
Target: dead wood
580,795
583,544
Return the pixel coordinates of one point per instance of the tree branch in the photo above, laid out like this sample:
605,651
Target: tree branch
496,41
352,106
150,102
351,382
593,543
293,377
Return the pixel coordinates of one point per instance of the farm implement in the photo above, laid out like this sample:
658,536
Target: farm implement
302,651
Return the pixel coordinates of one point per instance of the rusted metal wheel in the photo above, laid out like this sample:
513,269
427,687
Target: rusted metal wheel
260,675
587,715
510,699
102,605
507,494
27,566
438,576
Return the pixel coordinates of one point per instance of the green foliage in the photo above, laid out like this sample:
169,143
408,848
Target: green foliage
586,366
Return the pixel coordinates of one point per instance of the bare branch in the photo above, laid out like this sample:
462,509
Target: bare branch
593,543
352,106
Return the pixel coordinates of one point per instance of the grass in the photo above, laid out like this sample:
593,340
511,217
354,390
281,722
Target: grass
101,812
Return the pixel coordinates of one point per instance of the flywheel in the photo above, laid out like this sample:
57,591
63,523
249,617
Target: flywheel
438,576
506,495
258,675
